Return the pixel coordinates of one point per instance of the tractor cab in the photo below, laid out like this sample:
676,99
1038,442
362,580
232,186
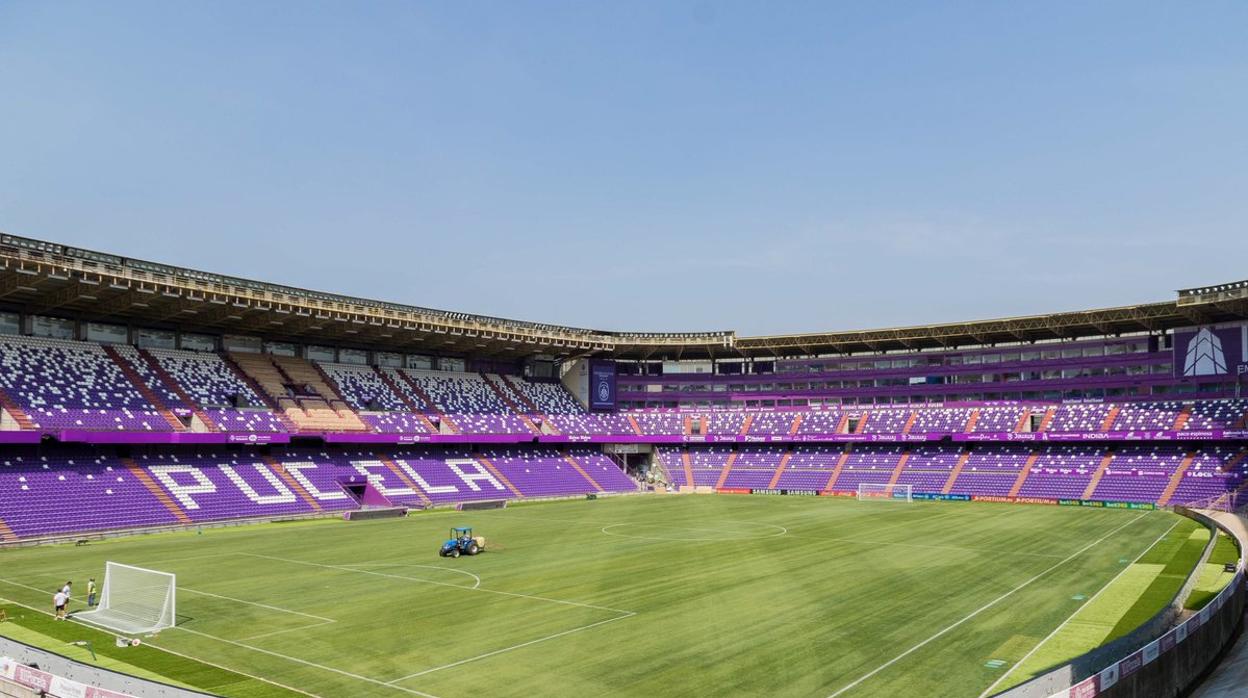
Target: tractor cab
462,542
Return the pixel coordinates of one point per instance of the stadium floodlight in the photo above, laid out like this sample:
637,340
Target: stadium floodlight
134,600
884,491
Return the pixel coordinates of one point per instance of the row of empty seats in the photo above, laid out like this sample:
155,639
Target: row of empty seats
61,384
68,490
1165,473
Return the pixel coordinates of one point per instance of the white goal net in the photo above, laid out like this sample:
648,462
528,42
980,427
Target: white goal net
134,600
880,490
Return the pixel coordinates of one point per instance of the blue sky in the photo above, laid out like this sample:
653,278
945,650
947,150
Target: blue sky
764,167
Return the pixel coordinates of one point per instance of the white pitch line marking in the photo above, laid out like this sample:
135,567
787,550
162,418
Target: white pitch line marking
981,609
476,583
304,662
441,584
606,530
931,546
259,605
249,638
513,647
1082,606
621,614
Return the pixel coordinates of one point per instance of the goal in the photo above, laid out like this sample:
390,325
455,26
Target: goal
134,600
880,490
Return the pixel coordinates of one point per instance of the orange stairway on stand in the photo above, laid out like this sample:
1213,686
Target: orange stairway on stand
1181,420
6,534
901,463
749,421
1096,477
19,415
498,474
1110,418
433,407
1022,421
407,401
840,465
510,383
1234,461
157,491
723,476
176,387
1175,479
784,462
914,417
291,482
137,381
797,423
502,395
578,468
1022,475
1048,418
632,421
684,457
398,472
862,423
971,421
957,470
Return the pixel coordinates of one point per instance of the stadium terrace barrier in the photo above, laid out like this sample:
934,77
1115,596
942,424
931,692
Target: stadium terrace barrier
61,677
130,437
171,437
941,497
1160,659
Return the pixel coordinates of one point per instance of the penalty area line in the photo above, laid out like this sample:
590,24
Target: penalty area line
940,633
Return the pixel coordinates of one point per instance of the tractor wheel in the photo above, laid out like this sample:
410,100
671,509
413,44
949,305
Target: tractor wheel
473,549
454,552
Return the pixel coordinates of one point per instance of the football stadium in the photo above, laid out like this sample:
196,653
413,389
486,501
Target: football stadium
640,350
283,491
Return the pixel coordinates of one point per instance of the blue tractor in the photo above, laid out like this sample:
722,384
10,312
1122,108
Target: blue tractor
462,542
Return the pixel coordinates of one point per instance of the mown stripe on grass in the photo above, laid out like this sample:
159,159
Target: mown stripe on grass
1184,556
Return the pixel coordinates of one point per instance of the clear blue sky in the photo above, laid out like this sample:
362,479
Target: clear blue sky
764,167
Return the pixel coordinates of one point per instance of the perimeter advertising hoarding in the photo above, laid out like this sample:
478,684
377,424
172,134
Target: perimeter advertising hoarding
602,385
1211,351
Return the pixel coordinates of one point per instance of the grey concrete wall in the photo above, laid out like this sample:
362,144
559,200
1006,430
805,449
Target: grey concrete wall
90,675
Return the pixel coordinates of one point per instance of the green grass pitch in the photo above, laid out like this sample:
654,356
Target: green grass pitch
633,596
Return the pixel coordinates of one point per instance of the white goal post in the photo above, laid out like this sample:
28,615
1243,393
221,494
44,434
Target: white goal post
885,491
134,600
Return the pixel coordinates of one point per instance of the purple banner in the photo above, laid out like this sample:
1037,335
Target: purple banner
357,438
168,437
1190,435
602,385
124,437
1211,351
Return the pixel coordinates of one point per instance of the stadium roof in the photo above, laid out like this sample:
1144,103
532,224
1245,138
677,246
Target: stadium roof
41,277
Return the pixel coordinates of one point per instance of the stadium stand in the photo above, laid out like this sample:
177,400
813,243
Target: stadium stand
73,385
156,427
